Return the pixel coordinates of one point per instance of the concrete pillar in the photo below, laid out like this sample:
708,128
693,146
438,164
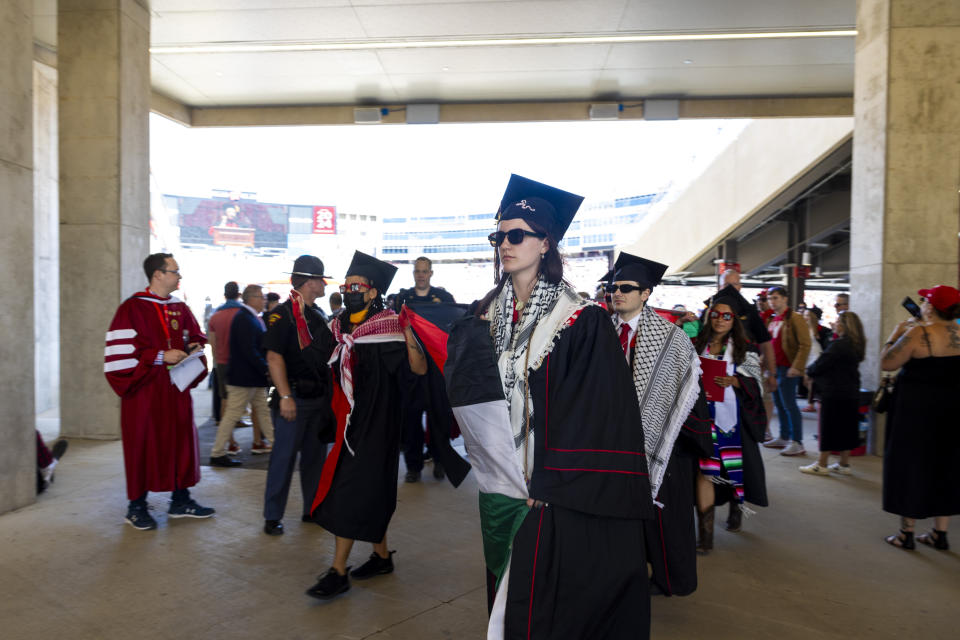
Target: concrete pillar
46,233
906,160
18,457
104,76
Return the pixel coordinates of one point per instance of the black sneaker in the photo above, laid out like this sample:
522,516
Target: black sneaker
189,509
59,448
438,471
330,585
224,461
375,566
139,518
273,528
411,477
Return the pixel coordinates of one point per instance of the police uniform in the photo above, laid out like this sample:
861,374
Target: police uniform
434,295
416,402
314,424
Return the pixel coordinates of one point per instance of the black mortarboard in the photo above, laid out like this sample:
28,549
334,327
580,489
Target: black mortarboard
631,267
309,266
548,207
379,273
730,297
607,277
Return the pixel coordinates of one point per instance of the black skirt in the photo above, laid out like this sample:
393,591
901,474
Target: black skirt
839,423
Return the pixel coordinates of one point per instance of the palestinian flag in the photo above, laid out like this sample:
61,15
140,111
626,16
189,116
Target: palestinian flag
431,324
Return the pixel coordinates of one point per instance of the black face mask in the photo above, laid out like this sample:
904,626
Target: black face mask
353,301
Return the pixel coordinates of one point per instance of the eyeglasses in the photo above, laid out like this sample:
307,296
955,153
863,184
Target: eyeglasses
726,315
623,288
176,271
515,236
356,287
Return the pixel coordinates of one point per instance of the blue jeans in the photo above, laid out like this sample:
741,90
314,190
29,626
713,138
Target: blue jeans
785,397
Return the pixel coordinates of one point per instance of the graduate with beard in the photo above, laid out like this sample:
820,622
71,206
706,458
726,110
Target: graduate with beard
374,363
543,396
676,420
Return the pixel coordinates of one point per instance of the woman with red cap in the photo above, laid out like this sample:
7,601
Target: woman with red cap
923,441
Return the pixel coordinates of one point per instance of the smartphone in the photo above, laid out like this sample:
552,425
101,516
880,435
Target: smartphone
912,307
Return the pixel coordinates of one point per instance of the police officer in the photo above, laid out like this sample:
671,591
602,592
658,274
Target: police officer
302,418
415,403
422,291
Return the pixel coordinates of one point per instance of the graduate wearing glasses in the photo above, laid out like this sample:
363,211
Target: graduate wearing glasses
542,394
733,472
676,423
375,361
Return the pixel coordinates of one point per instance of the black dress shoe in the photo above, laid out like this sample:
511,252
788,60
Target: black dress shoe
224,461
330,585
375,566
438,471
273,528
412,476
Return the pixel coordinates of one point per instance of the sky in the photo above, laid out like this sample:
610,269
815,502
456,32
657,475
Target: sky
390,170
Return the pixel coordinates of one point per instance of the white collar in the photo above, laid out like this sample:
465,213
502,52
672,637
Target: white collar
632,322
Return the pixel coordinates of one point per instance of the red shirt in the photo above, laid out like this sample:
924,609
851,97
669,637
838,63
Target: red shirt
775,327
220,325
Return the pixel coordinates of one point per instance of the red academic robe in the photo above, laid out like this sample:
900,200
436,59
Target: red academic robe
160,450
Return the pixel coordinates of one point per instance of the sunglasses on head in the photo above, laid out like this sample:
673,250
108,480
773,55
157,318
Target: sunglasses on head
515,236
725,315
623,288
356,287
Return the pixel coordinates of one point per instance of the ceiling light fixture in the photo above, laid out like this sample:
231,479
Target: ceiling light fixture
521,41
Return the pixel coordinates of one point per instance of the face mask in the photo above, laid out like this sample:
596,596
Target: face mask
353,301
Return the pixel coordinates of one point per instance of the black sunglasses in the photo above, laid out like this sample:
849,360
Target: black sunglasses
624,288
726,315
515,236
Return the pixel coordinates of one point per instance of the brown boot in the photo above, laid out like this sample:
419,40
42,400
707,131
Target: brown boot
735,517
705,530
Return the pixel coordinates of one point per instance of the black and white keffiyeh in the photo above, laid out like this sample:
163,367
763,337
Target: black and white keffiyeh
666,374
523,347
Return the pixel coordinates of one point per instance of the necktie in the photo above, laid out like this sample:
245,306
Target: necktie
624,335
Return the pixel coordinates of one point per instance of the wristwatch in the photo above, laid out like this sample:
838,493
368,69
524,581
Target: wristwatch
285,397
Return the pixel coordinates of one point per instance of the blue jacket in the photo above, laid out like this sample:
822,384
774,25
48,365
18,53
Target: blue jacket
248,363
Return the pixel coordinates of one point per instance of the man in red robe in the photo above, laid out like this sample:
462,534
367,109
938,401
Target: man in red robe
150,333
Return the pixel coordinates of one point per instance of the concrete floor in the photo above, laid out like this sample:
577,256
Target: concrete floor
812,565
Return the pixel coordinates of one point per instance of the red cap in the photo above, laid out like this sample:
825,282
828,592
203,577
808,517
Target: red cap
941,296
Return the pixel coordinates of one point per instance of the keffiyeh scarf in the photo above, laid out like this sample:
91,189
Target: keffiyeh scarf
666,374
522,347
383,327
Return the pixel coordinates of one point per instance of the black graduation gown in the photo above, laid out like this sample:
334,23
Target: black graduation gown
363,493
582,558
671,537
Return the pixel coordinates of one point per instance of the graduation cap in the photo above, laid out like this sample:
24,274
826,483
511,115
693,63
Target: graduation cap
379,273
607,277
640,270
730,297
551,208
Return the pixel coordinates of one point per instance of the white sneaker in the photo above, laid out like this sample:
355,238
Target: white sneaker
815,469
794,449
776,443
836,467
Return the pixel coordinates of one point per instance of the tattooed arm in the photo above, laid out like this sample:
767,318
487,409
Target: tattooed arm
953,334
899,348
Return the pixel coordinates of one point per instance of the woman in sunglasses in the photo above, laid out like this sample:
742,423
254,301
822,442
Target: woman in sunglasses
735,471
545,401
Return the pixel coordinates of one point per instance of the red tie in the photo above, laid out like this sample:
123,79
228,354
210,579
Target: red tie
624,336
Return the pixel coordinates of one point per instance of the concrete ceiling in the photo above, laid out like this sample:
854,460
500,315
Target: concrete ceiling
610,72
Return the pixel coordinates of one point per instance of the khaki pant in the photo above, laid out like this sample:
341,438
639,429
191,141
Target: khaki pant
234,408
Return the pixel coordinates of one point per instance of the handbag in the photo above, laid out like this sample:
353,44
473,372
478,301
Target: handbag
883,398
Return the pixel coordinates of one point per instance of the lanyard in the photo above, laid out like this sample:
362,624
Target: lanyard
163,323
